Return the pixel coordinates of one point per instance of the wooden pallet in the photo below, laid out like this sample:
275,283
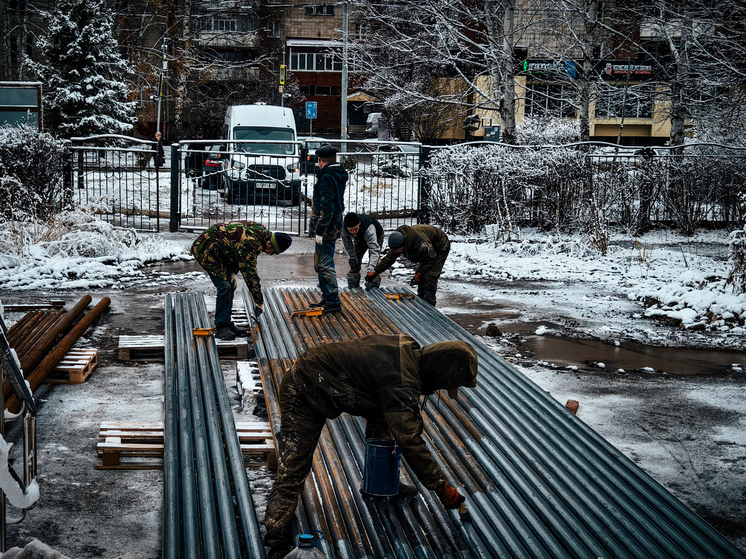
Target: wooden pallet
150,348
139,446
75,367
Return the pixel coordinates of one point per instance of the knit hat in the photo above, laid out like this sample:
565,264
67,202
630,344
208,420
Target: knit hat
280,242
351,219
396,240
326,152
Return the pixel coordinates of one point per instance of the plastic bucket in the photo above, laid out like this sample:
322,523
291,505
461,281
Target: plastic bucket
381,476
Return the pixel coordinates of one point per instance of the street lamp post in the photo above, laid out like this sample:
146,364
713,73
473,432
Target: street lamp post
164,67
345,24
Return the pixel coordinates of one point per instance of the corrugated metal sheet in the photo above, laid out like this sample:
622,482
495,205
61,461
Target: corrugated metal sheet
538,481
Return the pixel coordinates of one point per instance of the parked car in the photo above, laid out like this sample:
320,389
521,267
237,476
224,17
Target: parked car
310,165
371,124
400,160
264,166
213,167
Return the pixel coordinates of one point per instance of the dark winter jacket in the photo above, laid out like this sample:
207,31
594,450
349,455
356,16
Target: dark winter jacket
367,238
382,377
227,248
328,202
423,244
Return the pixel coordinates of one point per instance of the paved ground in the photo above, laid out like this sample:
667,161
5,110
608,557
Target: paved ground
668,425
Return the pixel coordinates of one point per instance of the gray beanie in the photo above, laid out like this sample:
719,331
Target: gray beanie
396,240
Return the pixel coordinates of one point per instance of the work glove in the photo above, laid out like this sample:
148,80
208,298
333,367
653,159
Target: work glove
371,284
319,240
371,276
416,279
449,496
258,310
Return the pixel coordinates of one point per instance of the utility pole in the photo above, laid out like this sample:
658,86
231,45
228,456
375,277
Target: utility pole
164,67
345,24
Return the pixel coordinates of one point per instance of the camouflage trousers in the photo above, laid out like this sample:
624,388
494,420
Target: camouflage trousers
299,434
428,286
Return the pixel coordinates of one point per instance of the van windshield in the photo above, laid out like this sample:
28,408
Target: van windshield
265,134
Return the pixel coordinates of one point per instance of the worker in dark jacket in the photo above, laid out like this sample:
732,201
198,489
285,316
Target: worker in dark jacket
426,246
223,250
326,223
378,377
360,234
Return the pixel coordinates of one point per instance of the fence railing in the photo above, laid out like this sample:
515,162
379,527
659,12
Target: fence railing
585,186
461,188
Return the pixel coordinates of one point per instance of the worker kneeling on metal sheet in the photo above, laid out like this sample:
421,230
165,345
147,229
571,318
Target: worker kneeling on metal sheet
378,377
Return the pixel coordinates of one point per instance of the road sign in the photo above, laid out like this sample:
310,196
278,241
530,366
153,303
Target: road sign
311,109
282,74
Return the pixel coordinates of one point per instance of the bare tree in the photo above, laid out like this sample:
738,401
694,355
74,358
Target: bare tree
406,45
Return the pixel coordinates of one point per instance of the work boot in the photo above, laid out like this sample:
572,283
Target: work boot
406,490
225,333
316,304
331,308
240,332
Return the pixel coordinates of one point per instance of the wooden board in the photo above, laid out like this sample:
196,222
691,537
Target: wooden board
150,348
75,367
138,446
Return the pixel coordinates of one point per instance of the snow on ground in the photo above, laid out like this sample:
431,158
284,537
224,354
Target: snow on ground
641,280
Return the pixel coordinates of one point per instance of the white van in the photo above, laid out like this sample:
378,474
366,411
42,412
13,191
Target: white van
264,158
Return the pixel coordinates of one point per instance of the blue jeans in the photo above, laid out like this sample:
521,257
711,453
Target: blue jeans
224,300
324,266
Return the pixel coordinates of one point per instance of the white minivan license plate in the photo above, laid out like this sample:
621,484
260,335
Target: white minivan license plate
260,184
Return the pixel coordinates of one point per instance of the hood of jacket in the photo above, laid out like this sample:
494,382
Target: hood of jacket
336,170
448,365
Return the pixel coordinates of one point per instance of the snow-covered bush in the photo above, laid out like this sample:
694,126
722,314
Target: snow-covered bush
533,131
31,172
738,258
472,186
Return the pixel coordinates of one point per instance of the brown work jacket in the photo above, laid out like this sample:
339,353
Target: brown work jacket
379,376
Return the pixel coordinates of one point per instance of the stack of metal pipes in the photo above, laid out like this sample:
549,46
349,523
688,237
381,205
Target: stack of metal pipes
208,509
538,481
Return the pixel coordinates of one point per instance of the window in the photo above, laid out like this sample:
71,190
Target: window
229,24
320,10
305,89
274,27
323,90
549,99
315,61
614,102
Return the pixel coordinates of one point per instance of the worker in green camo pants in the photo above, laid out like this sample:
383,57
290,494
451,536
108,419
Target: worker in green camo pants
378,377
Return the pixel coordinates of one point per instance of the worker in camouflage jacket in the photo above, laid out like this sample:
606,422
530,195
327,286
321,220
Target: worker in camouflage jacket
378,377
227,248
425,245
362,233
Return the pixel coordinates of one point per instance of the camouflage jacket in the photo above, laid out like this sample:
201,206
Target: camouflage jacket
422,245
379,377
227,248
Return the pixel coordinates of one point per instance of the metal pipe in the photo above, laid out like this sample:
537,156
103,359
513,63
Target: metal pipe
189,505
681,528
45,342
206,461
41,371
246,510
171,540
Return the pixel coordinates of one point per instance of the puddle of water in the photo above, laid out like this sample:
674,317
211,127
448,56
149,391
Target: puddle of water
564,351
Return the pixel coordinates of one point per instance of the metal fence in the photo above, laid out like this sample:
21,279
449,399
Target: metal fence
118,177
462,188
585,185
272,182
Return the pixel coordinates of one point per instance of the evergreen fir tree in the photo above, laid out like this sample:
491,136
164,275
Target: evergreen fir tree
82,71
